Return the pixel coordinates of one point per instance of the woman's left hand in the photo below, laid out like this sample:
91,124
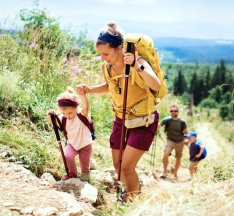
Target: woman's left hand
129,58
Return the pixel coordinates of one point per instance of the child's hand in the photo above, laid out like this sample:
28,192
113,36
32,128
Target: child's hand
197,155
51,112
82,89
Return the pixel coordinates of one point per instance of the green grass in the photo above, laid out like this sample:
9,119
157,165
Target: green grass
29,86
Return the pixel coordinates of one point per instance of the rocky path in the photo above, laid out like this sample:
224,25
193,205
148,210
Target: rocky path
21,193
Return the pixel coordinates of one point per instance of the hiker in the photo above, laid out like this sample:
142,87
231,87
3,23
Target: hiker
175,128
197,152
138,139
79,138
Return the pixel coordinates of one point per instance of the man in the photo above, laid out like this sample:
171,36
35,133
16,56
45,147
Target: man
175,129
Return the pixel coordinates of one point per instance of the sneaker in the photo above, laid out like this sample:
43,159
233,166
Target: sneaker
66,177
163,176
123,197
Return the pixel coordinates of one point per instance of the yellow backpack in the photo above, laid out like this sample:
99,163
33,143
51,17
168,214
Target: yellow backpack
145,48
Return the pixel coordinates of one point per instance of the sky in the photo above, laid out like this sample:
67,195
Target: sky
206,19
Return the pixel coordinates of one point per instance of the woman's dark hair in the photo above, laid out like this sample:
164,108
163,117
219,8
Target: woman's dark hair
112,29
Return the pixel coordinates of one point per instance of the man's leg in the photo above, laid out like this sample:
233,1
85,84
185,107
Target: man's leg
177,166
165,163
179,151
167,152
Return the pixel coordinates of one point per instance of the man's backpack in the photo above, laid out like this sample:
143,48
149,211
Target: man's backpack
145,48
89,125
169,121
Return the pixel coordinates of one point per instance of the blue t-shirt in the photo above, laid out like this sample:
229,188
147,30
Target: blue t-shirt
194,149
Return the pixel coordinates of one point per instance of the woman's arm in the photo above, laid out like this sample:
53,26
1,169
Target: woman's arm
83,88
147,74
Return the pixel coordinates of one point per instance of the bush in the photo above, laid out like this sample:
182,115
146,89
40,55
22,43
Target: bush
209,103
9,88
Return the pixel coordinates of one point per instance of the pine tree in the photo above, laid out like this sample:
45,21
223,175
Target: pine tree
180,84
222,72
193,83
207,82
216,79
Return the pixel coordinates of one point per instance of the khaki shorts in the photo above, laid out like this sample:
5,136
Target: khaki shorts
178,146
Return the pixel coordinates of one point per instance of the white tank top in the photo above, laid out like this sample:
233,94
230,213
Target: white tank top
78,134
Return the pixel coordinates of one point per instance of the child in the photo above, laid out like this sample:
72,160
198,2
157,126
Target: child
197,152
79,138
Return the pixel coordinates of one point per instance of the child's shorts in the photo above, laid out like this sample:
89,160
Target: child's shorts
197,159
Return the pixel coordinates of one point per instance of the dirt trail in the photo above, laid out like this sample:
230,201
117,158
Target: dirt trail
206,137
183,197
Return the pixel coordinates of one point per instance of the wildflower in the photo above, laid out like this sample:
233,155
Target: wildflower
32,45
71,62
97,58
73,75
64,60
76,69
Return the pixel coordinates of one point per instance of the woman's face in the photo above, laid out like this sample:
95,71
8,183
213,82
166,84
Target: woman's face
69,112
108,54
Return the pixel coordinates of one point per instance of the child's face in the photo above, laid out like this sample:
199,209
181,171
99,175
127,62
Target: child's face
69,112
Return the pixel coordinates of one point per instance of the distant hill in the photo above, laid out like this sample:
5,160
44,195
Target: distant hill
10,31
186,50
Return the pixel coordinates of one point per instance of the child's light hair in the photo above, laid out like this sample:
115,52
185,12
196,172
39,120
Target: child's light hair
69,94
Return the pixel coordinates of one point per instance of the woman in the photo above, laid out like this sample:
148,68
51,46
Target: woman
138,140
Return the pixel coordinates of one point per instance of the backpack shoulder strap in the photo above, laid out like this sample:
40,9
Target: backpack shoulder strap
89,125
106,70
182,125
84,120
64,121
167,124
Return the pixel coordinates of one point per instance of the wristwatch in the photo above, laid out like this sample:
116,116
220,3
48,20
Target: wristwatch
140,69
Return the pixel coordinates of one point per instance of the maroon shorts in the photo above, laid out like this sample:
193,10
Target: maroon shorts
139,138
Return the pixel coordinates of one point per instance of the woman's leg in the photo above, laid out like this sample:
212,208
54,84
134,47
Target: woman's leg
115,158
70,154
131,157
84,157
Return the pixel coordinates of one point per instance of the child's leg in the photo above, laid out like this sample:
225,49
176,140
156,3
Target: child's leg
193,167
84,157
70,154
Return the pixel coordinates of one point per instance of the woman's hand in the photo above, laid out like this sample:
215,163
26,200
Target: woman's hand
197,155
129,58
82,89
